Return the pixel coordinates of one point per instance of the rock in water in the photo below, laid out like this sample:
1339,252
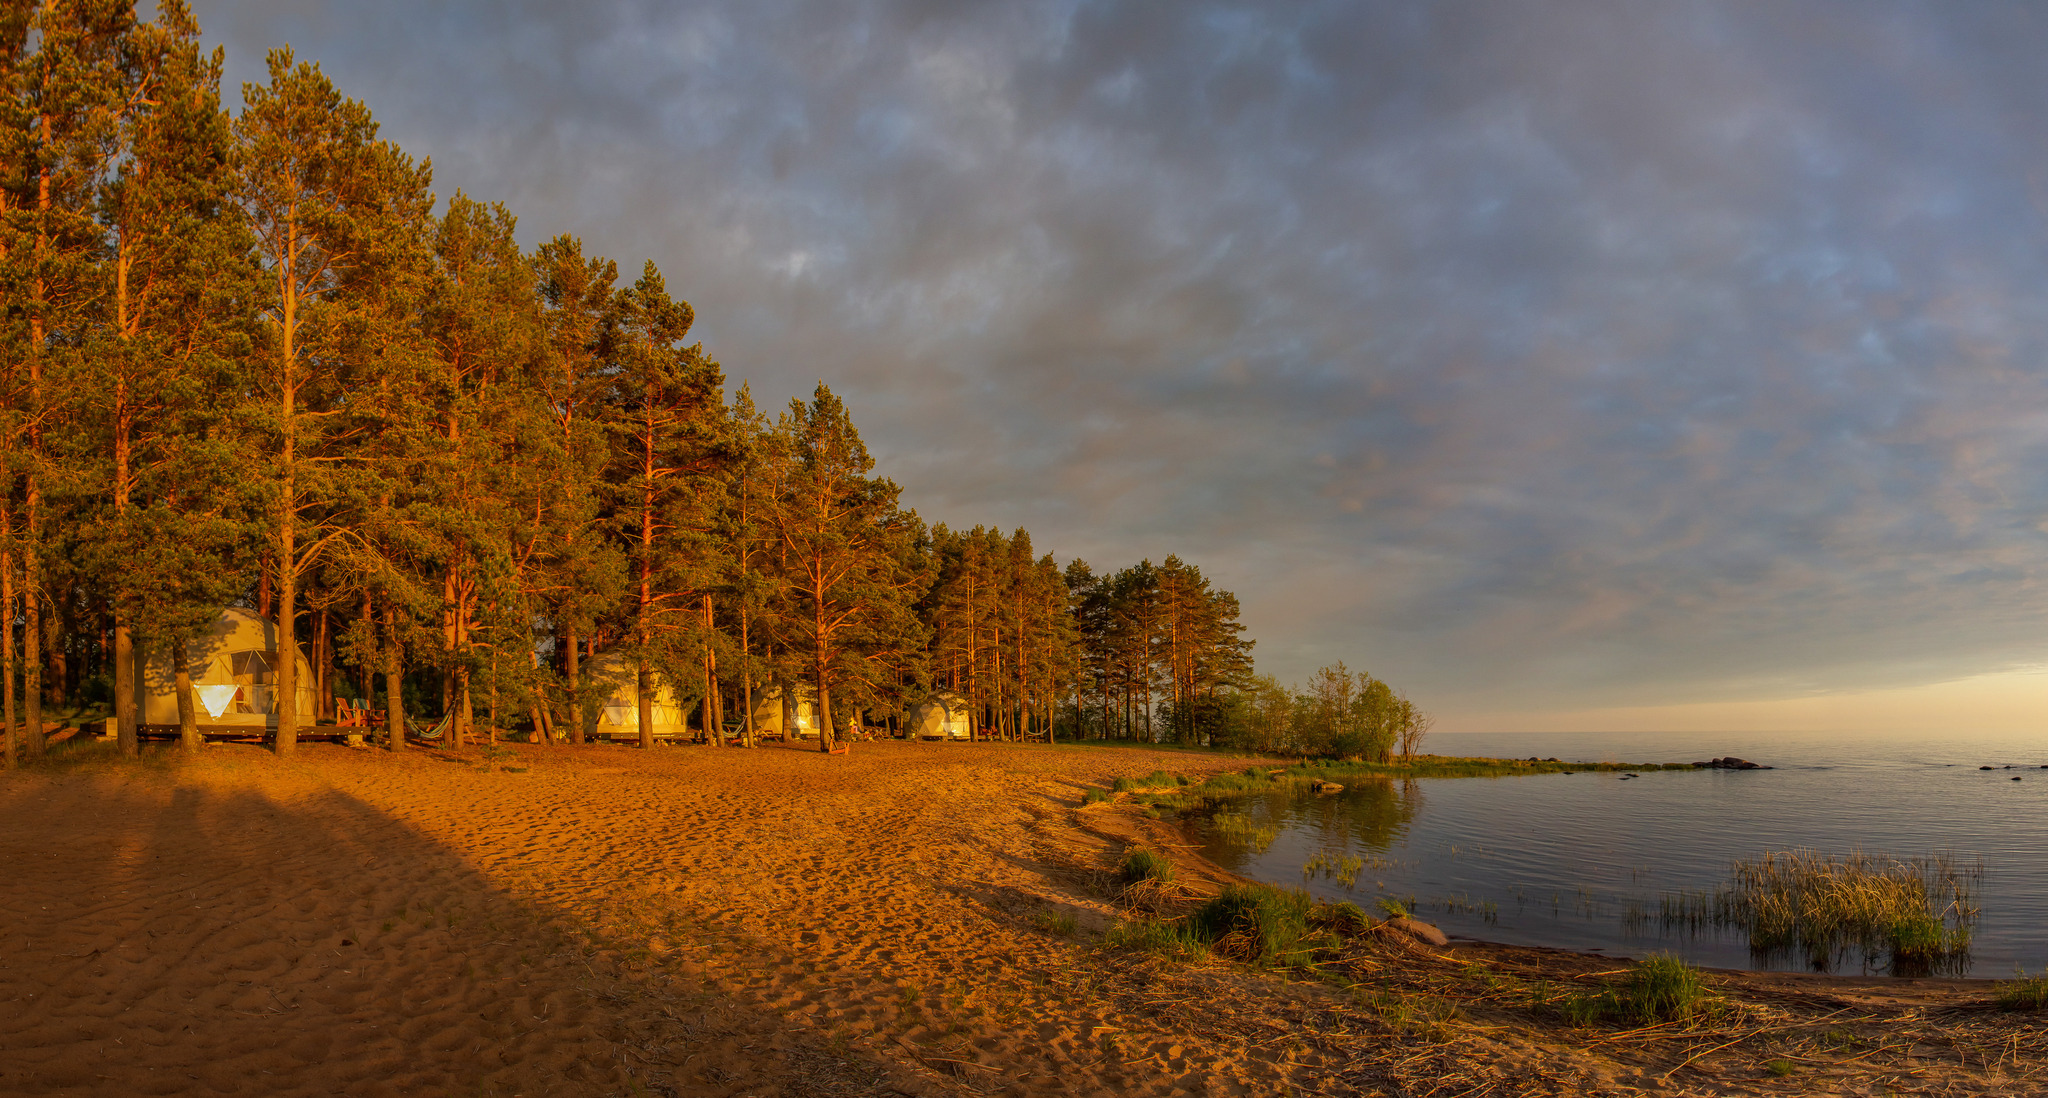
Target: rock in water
1419,930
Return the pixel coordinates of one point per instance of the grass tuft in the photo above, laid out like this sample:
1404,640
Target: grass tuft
1158,779
2023,993
1140,864
1260,924
1159,937
1658,988
1055,922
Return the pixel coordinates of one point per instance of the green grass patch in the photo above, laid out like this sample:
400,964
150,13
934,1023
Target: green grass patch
1140,864
1459,766
2023,993
1158,779
1262,925
1160,937
1055,922
1658,988
1095,796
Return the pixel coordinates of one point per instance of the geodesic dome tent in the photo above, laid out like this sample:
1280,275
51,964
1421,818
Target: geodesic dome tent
619,718
940,716
768,711
234,677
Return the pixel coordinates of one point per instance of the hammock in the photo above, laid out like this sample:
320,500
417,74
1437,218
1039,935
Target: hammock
435,732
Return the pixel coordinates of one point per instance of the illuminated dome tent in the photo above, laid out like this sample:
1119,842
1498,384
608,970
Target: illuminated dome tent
768,712
234,678
620,716
941,716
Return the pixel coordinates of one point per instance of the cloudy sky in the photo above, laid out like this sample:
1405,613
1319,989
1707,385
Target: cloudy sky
1566,364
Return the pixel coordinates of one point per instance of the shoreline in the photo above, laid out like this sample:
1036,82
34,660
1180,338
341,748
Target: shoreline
911,919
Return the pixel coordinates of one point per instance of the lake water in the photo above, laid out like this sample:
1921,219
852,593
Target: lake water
1561,859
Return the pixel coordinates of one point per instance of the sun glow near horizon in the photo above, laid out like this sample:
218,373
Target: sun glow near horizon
2014,700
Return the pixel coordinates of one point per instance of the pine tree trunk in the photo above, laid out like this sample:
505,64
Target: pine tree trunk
575,696
287,648
32,650
189,739
394,686
643,690
823,708
10,742
126,737
465,713
323,670
465,716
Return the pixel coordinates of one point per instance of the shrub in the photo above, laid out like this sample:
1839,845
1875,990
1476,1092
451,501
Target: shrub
1095,796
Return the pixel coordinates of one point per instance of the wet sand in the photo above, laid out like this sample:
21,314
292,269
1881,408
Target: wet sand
600,921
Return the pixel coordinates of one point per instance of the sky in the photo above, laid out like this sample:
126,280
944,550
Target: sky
1569,365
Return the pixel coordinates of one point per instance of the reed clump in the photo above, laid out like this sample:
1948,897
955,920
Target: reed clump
1916,912
1239,829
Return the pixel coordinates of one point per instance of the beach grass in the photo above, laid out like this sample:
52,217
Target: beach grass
1141,865
1658,988
1259,924
2022,993
1917,911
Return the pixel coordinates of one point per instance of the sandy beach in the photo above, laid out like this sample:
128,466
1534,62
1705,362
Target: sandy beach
543,921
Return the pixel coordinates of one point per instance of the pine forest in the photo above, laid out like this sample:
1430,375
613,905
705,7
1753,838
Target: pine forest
255,361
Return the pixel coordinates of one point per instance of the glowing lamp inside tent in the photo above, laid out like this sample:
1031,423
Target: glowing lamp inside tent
216,699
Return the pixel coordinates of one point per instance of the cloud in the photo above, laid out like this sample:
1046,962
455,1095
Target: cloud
1561,356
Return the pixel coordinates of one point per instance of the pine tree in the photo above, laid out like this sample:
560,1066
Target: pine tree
753,485
331,206
582,572
851,567
165,517
671,445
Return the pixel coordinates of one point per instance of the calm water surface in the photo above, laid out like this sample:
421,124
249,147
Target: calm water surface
1561,859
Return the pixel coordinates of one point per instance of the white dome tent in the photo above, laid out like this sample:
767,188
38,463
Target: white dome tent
619,718
234,680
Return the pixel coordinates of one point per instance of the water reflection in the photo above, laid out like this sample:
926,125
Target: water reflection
1374,812
1583,863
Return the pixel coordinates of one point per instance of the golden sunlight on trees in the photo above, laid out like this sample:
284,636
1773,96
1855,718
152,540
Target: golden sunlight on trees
478,491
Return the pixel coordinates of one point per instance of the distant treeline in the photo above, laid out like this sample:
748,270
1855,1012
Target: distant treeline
249,365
